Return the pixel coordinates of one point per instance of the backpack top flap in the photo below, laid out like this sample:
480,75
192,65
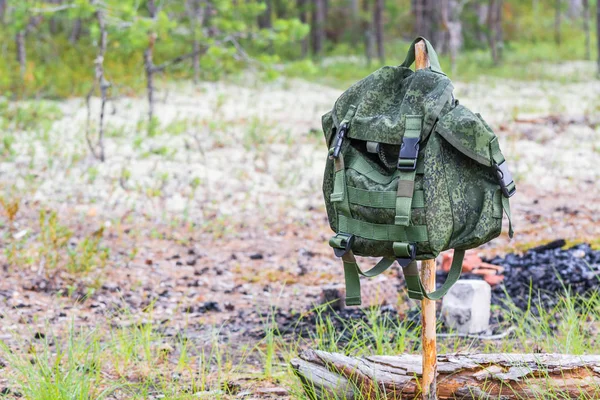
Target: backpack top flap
383,99
468,133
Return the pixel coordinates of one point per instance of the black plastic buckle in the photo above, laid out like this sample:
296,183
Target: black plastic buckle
504,179
409,150
341,134
347,242
413,254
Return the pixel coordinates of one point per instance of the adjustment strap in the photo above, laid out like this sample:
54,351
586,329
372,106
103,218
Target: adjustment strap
407,165
495,151
339,197
415,286
352,278
506,208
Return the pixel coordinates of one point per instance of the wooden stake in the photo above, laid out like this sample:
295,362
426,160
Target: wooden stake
428,320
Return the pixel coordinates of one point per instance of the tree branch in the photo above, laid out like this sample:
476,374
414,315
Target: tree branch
177,60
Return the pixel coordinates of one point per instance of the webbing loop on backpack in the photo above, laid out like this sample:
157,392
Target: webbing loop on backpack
341,244
415,287
377,199
382,232
433,58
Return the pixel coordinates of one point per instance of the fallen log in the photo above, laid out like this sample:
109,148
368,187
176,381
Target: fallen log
460,376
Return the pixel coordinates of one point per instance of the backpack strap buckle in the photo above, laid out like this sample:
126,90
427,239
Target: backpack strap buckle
505,179
341,134
409,151
341,243
405,253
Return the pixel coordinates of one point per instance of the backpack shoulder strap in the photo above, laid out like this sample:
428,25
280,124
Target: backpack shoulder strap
415,286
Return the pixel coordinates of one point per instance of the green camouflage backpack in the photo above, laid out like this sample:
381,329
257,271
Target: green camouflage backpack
410,173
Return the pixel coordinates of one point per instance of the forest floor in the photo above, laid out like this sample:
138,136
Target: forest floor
210,230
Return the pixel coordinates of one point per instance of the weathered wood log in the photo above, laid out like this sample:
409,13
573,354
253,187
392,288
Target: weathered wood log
460,376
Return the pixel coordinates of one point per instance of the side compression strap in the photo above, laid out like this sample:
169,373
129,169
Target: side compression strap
506,208
352,272
415,286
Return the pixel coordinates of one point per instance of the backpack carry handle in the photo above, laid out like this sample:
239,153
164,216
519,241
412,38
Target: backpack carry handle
433,58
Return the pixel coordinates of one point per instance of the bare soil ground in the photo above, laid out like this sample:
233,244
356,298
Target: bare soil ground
218,218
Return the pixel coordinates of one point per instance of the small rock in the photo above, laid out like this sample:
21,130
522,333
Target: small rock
191,261
256,256
466,307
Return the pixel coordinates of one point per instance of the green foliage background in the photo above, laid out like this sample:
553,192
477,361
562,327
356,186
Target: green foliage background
58,67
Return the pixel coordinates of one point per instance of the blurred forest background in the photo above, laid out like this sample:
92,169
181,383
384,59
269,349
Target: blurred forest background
52,48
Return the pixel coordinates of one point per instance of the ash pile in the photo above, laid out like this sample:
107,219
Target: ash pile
543,274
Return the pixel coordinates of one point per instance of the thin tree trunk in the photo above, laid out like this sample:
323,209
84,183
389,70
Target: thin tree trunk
557,20
75,32
265,20
575,8
460,376
368,33
301,5
355,31
430,20
2,10
482,12
418,15
21,53
495,34
586,28
196,9
598,33
378,24
499,30
318,25
149,67
354,8
451,11
98,149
